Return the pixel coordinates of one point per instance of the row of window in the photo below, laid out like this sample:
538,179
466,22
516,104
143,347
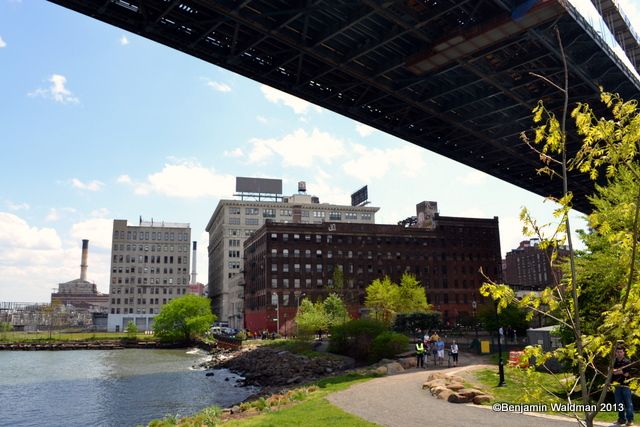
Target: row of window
148,281
152,248
153,259
150,235
148,270
277,282
139,310
143,290
271,213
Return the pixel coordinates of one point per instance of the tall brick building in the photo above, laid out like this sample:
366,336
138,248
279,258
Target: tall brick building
529,268
286,262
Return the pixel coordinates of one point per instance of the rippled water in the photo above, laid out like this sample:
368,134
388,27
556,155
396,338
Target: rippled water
108,388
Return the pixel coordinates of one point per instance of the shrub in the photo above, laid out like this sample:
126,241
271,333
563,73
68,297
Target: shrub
387,345
241,336
355,337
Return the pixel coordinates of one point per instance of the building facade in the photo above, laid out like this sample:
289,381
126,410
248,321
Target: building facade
149,267
286,262
234,221
528,268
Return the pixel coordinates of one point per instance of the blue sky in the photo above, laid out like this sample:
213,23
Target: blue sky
97,123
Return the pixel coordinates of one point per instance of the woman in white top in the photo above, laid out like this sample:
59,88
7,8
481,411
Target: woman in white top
454,353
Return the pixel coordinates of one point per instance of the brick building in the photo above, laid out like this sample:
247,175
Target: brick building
529,268
285,262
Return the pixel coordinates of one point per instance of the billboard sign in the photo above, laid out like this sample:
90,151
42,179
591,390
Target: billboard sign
258,185
359,196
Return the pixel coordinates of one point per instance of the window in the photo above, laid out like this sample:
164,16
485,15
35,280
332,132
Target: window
304,214
296,283
350,215
234,221
251,221
234,242
296,268
251,211
307,268
269,213
296,253
274,267
234,211
285,282
335,216
285,253
234,254
285,212
307,253
318,214
274,236
285,268
307,283
274,283
296,237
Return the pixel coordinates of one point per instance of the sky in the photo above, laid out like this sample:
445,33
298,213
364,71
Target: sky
99,124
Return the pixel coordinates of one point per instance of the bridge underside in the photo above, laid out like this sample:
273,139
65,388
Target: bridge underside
452,76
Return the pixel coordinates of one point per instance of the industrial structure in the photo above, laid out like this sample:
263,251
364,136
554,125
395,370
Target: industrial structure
80,293
149,267
287,262
233,221
457,77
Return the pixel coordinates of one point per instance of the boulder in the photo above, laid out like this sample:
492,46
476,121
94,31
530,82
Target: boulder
394,368
381,370
455,386
438,389
456,379
458,398
481,398
445,394
436,375
434,383
471,392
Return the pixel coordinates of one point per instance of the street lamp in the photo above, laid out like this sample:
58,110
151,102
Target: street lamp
500,361
298,296
474,306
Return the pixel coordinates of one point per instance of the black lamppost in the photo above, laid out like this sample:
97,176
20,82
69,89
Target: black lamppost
474,306
500,361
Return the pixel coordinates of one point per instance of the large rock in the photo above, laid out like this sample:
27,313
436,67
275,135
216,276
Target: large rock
470,392
458,398
394,368
481,398
445,394
455,386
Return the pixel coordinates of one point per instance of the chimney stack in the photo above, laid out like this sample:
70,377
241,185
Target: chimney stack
193,264
83,263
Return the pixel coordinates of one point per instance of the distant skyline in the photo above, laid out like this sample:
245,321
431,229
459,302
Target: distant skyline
99,124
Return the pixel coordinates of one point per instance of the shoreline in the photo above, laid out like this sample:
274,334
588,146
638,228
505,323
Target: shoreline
96,345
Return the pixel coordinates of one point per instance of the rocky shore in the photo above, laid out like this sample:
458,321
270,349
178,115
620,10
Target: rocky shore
265,366
83,345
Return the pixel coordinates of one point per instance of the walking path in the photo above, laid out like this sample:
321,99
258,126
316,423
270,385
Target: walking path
399,401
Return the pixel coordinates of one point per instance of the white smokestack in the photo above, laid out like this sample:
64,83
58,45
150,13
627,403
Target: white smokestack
193,264
83,263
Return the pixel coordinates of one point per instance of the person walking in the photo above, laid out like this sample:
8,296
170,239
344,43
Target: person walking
420,354
622,392
440,350
454,352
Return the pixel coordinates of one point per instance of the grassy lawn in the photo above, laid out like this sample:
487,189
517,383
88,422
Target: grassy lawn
524,386
304,407
43,336
306,348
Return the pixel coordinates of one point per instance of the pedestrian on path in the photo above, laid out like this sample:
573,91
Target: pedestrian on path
622,392
454,352
419,354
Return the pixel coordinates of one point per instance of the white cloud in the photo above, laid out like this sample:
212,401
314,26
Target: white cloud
2,43
124,179
364,130
97,230
474,177
16,233
17,206
376,163
90,186
220,87
124,40
186,180
261,119
33,261
55,214
298,148
299,106
100,213
57,91
234,153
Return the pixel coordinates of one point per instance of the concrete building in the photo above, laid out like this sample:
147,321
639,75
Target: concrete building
149,267
528,268
81,293
233,221
285,262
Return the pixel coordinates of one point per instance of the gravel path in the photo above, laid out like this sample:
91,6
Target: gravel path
399,400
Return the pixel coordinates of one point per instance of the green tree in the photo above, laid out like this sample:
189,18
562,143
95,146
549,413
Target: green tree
4,328
184,318
386,299
512,315
335,310
131,330
424,321
611,144
337,282
311,318
381,297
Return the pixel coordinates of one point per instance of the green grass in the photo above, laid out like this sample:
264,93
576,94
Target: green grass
526,386
294,346
301,407
43,336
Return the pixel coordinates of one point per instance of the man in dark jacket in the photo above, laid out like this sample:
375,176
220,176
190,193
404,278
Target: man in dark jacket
620,379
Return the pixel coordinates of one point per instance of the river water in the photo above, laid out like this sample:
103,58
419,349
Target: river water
108,387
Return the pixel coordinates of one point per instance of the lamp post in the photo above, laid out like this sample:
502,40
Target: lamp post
474,306
500,361
298,296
